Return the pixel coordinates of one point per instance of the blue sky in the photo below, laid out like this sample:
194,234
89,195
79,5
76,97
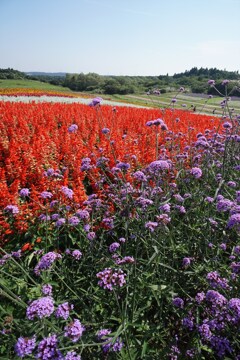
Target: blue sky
119,37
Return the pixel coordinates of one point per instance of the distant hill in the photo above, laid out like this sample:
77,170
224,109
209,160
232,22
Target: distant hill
40,73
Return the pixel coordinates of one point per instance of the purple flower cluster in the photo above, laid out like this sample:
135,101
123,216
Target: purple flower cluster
25,346
40,308
110,278
234,221
67,192
24,192
140,176
73,221
215,280
224,205
76,254
11,209
47,289
123,166
105,131
46,261
95,102
85,165
82,214
125,260
215,298
186,262
72,355
178,302
60,222
196,172
46,195
72,128
151,225
114,247
159,165
74,330
47,349
63,310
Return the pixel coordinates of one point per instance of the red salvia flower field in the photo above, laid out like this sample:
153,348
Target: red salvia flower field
35,137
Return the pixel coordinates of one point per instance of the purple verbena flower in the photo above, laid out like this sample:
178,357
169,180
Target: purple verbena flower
47,349
73,221
123,166
72,128
63,310
40,308
151,225
105,131
234,221
95,102
224,205
188,323
47,289
82,214
196,172
46,261
223,246
178,302
25,346
60,222
67,192
125,260
186,262
110,278
76,254
11,209
72,355
91,235
215,298
24,192
114,247
166,208
74,330
200,297
85,165
215,280
140,176
221,345
46,195
159,165
205,331
211,82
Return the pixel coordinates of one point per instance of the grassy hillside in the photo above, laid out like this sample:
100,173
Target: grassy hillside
30,84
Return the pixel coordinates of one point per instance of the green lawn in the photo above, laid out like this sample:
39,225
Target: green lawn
203,105
30,84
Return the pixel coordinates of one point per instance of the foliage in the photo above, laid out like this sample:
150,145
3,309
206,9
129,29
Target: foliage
194,80
11,74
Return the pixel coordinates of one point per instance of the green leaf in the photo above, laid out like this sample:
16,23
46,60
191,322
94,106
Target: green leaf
144,348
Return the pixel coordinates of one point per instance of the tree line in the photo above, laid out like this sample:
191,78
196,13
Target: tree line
194,80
